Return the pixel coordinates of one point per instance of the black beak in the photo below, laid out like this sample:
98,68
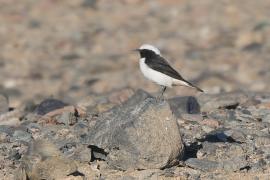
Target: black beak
138,50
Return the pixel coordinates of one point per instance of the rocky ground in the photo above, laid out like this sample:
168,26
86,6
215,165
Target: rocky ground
74,105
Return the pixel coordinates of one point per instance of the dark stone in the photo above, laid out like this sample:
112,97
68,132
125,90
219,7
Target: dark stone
234,164
91,82
141,133
261,25
258,166
14,155
236,135
90,3
49,105
266,117
80,128
222,115
218,136
7,129
186,105
29,106
68,148
225,101
20,135
32,128
97,153
10,92
253,47
204,165
208,150
3,104
70,57
34,23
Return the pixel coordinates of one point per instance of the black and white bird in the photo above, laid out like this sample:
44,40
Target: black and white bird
157,69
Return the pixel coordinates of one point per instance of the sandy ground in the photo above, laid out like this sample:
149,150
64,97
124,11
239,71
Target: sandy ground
70,49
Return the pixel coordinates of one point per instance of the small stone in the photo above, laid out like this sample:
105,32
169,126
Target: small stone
253,47
216,136
266,118
234,164
262,141
4,137
83,154
236,135
20,135
201,164
258,166
67,118
14,155
191,118
211,123
49,105
184,105
226,100
34,129
52,168
3,104
34,23
207,129
7,129
90,3
121,96
265,105
70,57
224,115
246,39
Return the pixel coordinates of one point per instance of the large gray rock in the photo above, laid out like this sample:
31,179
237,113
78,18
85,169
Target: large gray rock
140,134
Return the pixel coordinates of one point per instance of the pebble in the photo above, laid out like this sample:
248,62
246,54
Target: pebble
211,123
262,141
204,165
67,118
3,104
20,135
49,105
234,164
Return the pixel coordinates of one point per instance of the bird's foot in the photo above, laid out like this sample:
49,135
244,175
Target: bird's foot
160,99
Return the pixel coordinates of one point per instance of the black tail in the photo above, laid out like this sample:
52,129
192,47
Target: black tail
195,87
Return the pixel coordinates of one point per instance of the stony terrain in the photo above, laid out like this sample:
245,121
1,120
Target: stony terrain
73,104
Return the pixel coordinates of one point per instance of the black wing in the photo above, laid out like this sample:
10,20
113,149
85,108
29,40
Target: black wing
159,64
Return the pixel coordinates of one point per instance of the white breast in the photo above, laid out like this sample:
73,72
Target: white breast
155,76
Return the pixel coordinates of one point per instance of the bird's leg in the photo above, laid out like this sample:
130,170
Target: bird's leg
161,97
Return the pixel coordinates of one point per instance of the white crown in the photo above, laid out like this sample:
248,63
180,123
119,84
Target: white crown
150,47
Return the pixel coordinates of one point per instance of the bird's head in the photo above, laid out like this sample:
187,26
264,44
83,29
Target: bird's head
147,50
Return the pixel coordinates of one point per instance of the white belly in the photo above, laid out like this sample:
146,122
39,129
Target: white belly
155,76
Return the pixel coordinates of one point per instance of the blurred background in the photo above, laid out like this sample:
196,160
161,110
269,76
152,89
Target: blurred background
69,49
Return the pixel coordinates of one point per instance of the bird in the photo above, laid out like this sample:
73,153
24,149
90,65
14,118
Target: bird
157,69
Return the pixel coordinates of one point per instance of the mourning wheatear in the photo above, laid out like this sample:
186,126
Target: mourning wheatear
157,69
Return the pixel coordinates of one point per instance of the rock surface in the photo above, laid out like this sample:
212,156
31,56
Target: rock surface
139,134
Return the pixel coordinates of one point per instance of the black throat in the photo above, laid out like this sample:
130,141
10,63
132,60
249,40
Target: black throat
148,54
